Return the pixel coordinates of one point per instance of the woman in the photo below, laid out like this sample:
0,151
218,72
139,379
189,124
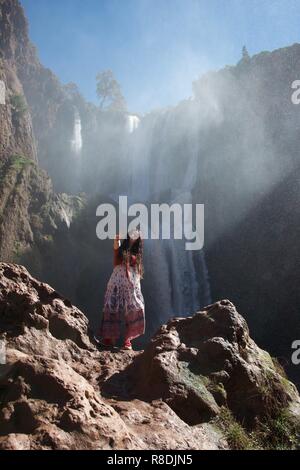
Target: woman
124,302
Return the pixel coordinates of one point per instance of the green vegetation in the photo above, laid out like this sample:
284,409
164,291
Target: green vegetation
14,165
245,54
277,430
278,433
9,176
17,251
198,382
279,368
18,104
218,392
236,435
19,162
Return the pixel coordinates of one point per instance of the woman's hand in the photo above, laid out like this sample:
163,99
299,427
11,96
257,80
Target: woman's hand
117,241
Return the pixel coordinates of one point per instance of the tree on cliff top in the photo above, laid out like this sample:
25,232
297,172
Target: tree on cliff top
109,92
245,54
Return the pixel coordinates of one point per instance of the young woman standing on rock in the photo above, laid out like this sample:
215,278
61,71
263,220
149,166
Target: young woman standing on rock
123,302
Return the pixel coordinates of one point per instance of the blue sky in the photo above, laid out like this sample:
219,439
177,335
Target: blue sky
156,48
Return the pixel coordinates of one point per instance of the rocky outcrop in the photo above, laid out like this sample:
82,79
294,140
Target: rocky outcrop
201,363
59,392
31,213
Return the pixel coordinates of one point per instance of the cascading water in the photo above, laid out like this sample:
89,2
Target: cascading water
76,142
132,123
176,279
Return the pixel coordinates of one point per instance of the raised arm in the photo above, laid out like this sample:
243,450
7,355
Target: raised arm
117,242
117,259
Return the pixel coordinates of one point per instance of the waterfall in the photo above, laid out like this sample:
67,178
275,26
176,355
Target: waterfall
76,142
177,277
132,123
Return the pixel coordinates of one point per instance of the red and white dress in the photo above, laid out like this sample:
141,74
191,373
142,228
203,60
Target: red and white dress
123,302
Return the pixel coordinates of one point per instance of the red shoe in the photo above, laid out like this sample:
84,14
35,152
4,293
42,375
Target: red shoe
127,345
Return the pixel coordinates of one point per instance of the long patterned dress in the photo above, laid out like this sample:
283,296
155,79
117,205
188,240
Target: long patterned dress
123,303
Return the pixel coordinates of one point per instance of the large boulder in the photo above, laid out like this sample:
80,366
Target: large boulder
202,363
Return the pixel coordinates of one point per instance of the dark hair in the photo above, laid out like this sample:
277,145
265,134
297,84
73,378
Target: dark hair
136,249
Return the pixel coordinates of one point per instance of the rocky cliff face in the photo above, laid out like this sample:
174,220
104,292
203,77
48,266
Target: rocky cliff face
196,381
30,211
39,114
15,121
